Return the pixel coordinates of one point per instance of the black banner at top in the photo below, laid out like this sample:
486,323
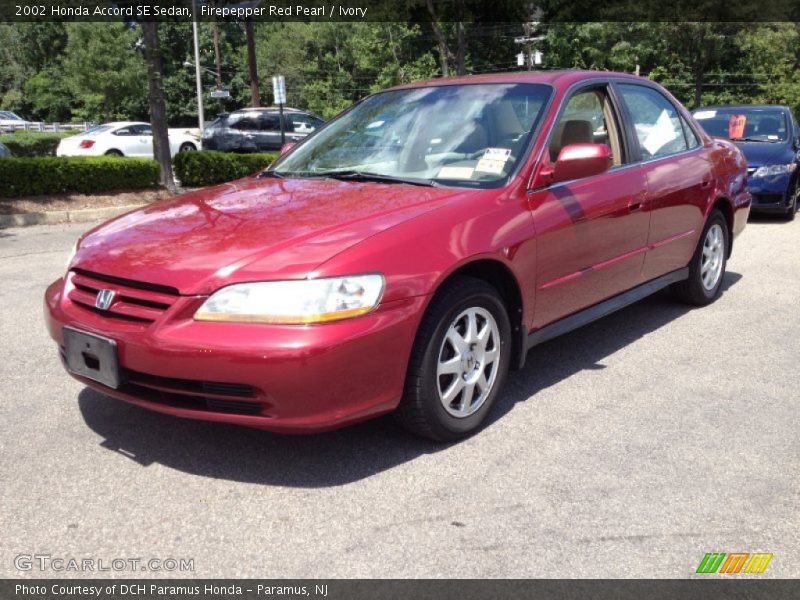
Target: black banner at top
497,11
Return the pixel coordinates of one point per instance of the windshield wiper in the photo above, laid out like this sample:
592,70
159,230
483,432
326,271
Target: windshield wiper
750,139
377,177
274,174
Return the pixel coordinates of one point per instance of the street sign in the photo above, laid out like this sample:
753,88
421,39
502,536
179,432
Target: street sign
279,89
220,94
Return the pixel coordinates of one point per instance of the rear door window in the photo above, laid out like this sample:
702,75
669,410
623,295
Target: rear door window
656,120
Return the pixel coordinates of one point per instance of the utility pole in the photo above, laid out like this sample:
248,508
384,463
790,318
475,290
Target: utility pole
218,61
531,56
251,64
200,112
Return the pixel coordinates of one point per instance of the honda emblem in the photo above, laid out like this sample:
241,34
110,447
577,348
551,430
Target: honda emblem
104,299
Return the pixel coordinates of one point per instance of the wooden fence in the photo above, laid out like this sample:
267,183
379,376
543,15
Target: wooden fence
46,127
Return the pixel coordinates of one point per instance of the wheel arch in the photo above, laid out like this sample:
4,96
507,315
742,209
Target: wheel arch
724,206
500,276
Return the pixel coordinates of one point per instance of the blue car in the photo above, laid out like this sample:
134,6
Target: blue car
769,136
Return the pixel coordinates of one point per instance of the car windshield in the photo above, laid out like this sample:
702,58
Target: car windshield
744,123
461,135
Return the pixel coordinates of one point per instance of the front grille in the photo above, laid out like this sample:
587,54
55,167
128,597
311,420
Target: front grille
133,300
214,396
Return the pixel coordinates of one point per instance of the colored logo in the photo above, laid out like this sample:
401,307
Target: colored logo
734,562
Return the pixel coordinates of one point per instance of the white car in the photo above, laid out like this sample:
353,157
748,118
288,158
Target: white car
125,138
10,122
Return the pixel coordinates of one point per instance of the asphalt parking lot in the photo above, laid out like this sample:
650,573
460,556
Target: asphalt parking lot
629,448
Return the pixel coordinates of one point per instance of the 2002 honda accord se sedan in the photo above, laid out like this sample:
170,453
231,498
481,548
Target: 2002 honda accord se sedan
405,256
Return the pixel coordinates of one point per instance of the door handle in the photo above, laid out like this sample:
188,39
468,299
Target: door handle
634,206
706,182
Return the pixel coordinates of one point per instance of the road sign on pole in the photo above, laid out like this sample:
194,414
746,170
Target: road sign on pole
279,91
220,94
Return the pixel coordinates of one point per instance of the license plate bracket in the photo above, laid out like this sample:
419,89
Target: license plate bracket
92,356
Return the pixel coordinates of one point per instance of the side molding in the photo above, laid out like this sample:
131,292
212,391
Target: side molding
600,310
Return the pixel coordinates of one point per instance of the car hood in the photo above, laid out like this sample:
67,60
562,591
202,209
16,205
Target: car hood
249,230
765,153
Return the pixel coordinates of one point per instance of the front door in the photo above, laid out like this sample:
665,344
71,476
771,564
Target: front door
591,233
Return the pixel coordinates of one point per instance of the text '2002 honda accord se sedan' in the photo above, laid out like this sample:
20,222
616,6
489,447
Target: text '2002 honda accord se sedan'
405,256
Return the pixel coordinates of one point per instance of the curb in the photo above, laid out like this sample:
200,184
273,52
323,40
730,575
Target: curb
64,216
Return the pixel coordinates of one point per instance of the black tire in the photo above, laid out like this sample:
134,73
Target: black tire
421,411
692,290
114,153
187,147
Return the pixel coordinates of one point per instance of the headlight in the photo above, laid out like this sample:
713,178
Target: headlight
769,171
294,302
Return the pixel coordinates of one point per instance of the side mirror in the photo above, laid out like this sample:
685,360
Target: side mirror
577,161
287,146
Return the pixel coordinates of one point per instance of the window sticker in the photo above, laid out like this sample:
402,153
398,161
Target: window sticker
736,126
455,172
497,153
705,114
493,160
490,165
660,135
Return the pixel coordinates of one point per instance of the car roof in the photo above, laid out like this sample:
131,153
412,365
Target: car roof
269,109
560,78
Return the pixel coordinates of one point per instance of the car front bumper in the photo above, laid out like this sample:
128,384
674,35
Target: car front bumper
292,379
770,194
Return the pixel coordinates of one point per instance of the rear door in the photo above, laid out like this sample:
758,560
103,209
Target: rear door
679,174
138,141
591,232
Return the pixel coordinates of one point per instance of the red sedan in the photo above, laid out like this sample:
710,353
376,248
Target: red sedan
406,256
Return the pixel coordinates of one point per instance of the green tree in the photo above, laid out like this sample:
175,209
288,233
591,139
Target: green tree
106,72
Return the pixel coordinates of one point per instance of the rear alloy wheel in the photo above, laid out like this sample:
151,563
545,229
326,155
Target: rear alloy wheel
707,267
187,147
459,362
114,153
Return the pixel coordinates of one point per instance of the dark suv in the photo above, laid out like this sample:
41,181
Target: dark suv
258,129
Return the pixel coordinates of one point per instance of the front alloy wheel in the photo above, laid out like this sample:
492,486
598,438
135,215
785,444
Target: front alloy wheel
459,361
468,362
